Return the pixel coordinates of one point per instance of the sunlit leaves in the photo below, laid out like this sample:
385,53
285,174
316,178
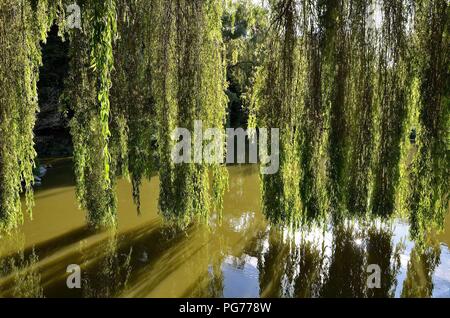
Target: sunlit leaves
365,75
190,84
88,89
22,27
428,192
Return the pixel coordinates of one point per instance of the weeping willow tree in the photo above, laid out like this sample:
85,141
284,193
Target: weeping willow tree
427,197
189,87
302,89
174,54
392,91
23,25
334,49
89,86
277,101
348,121
112,86
133,101
343,90
362,58
318,73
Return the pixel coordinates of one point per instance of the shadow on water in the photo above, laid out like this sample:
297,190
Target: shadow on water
19,273
107,265
325,263
52,246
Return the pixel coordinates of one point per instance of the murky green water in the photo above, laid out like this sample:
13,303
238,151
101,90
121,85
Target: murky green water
240,257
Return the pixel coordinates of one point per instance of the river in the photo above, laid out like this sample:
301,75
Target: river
237,256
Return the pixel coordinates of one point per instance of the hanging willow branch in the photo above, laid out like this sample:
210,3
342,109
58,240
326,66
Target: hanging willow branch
361,106
276,103
392,90
190,86
22,28
88,89
133,105
334,44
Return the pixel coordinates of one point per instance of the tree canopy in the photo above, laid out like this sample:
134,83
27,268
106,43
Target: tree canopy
345,81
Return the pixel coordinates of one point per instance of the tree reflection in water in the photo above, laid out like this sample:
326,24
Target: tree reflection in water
421,266
234,257
19,272
109,276
334,263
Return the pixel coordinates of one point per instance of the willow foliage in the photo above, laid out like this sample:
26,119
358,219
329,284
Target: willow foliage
133,101
189,87
295,91
361,100
88,89
172,52
346,81
334,51
276,103
392,91
23,26
428,193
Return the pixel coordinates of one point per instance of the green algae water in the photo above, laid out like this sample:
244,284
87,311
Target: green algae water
238,256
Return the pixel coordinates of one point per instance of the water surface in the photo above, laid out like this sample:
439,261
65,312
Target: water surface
241,256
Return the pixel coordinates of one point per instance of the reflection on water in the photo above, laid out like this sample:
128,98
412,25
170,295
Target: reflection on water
421,267
110,274
19,276
242,256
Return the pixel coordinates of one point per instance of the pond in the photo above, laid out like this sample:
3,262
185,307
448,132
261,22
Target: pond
237,256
